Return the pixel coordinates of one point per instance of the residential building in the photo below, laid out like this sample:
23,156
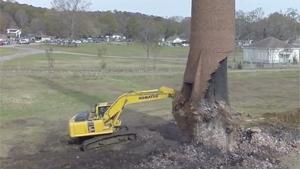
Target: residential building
13,33
295,51
271,51
175,41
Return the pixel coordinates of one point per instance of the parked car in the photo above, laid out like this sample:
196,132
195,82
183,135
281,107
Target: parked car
84,41
6,42
90,40
24,41
76,42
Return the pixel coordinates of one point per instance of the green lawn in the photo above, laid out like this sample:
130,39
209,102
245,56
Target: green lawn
7,51
261,92
251,92
134,50
78,62
137,50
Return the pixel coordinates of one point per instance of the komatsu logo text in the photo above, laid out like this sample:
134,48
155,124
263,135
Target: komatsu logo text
148,97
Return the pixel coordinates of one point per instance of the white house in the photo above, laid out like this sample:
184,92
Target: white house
268,51
295,51
14,33
243,43
174,41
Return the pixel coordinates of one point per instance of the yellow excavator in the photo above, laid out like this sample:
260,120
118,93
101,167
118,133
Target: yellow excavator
102,126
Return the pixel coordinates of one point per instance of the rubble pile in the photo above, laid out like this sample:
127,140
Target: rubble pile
253,149
256,140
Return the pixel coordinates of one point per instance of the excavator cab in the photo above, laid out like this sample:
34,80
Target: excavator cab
90,123
101,108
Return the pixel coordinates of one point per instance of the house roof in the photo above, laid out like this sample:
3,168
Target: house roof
172,38
295,43
13,30
269,42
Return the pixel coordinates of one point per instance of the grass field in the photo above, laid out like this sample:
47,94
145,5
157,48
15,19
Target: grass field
7,51
138,51
130,50
32,98
250,91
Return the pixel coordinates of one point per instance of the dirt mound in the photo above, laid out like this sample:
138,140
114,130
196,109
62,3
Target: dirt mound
56,153
160,147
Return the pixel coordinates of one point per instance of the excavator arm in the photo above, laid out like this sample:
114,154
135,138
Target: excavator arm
112,115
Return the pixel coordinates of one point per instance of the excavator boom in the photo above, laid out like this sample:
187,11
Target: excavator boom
115,110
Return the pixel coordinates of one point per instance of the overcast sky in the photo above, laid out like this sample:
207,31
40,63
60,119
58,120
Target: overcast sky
173,7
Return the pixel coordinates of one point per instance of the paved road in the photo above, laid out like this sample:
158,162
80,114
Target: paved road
22,52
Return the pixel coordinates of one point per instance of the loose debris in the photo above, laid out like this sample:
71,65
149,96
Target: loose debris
253,149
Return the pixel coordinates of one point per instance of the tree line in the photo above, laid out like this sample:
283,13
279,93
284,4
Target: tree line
69,19
255,25
73,21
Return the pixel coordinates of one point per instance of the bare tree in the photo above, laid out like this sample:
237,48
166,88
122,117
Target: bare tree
21,18
256,15
70,9
6,21
149,36
100,54
37,25
50,60
185,27
155,52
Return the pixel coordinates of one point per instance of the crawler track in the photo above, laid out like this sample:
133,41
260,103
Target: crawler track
121,136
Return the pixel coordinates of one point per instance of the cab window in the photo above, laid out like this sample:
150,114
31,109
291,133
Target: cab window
102,110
